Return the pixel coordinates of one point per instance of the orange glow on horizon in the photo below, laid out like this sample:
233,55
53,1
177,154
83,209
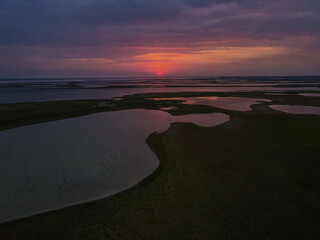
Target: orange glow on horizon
175,61
160,63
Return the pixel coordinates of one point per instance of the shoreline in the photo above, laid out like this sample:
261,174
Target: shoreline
153,141
22,114
136,203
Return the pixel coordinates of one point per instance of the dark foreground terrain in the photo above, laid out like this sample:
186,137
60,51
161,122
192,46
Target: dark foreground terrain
254,177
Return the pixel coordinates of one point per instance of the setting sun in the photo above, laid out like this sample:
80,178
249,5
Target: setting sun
159,119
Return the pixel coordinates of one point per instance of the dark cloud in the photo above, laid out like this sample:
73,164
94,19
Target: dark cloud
203,3
85,23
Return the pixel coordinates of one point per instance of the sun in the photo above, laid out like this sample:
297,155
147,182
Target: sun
160,74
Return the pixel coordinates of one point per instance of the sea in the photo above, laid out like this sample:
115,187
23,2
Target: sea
57,89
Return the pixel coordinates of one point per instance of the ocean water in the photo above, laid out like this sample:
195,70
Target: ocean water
37,90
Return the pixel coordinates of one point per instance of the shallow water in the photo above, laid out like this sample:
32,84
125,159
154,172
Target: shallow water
279,94
231,103
168,108
296,109
310,94
52,165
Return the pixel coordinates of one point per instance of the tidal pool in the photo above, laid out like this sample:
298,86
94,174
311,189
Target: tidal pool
168,108
296,109
310,94
280,94
231,103
52,165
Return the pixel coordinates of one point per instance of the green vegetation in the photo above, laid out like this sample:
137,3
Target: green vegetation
254,177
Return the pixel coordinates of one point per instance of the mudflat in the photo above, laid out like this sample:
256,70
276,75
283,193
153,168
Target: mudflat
254,177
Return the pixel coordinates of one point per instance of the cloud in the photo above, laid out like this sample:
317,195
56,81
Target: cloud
46,28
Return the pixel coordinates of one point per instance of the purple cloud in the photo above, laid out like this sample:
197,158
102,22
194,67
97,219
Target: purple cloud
47,28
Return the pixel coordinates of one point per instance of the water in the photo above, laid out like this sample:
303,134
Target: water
37,90
52,165
296,109
310,94
231,103
57,164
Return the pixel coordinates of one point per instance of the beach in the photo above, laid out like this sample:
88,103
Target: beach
255,174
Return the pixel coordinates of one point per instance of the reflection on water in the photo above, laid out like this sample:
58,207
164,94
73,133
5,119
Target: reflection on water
231,103
39,90
43,95
279,94
168,108
56,164
297,109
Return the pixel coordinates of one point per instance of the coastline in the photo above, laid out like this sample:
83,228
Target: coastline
22,114
143,202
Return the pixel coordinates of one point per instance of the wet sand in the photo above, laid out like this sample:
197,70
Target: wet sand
260,165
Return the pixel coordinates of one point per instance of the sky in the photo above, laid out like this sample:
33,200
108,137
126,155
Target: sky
118,38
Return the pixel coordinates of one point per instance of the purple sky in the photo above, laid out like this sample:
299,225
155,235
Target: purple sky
105,38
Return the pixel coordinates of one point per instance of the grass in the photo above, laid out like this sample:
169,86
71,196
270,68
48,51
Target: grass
255,177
